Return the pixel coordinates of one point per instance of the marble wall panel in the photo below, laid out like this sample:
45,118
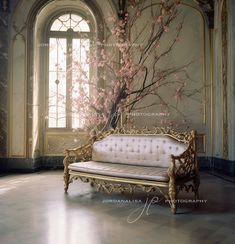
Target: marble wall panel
18,97
3,83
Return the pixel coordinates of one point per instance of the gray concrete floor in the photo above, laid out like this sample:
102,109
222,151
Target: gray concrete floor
34,210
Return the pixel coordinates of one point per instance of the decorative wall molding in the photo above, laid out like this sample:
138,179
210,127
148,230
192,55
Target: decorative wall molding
224,43
4,88
207,7
19,31
5,5
231,80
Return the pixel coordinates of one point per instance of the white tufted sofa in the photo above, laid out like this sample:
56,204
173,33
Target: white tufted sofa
150,160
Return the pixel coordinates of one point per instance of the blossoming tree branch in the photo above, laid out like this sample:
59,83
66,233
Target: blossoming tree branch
125,72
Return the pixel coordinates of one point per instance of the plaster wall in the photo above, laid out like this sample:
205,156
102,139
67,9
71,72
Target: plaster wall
25,107
217,106
231,78
28,134
3,83
192,112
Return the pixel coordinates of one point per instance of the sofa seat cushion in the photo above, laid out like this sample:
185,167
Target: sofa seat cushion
122,170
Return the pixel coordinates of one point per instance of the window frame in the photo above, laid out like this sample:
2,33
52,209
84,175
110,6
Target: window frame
68,35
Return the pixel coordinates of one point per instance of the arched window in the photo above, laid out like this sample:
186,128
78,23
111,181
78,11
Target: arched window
69,38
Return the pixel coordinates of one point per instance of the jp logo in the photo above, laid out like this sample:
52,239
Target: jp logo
139,212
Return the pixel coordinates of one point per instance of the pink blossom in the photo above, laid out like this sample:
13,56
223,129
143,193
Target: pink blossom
159,19
166,29
115,76
138,13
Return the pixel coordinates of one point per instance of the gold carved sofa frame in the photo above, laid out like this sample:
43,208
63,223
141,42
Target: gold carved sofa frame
183,171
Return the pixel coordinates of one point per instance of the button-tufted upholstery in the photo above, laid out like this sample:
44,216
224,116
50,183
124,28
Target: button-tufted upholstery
142,150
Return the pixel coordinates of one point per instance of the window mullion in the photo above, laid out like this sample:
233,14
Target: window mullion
69,83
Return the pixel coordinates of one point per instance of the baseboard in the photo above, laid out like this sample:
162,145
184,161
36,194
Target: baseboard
205,163
3,164
29,165
24,165
53,162
221,166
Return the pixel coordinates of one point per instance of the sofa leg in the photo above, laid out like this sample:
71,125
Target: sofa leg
66,173
196,183
66,181
172,196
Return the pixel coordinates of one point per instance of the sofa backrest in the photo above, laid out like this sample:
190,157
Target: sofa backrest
144,150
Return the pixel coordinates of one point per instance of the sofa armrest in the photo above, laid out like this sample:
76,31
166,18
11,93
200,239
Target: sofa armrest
184,165
82,153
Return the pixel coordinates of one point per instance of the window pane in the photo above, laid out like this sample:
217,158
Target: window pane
57,55
64,18
80,77
61,23
57,83
76,18
56,25
70,21
84,26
